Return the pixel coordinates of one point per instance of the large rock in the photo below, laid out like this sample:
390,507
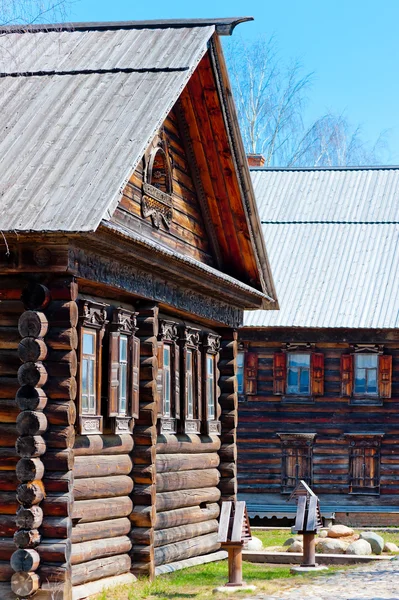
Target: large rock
323,533
390,547
290,541
253,544
360,548
297,546
338,531
331,546
376,541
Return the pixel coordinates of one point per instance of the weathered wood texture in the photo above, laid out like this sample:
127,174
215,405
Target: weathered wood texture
187,233
329,416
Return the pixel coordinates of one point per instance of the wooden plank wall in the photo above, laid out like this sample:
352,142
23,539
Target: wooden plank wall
187,233
263,415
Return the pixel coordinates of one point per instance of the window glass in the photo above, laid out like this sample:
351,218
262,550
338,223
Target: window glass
190,384
240,372
210,385
88,383
123,348
366,374
298,373
167,382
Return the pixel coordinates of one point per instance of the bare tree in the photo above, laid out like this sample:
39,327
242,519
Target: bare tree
271,98
27,12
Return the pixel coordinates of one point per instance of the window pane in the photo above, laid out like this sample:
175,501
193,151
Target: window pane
304,381
190,381
366,374
240,372
167,393
88,342
366,361
167,383
166,355
122,387
372,381
298,360
123,348
210,385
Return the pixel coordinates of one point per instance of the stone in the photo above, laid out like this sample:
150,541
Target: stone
253,544
289,541
338,531
390,547
303,570
233,589
331,546
360,548
297,546
376,541
323,533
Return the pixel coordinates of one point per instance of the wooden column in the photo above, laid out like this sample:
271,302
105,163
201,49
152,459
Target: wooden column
143,516
228,401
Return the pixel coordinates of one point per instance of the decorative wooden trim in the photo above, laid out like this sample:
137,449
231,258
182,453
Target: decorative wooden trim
156,203
211,346
169,334
189,342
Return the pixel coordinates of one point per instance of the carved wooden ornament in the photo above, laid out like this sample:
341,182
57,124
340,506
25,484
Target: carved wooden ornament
156,201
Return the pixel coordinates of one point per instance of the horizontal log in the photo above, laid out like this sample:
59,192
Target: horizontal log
57,505
6,571
58,460
54,574
31,422
58,482
144,494
27,538
25,560
31,349
143,536
105,567
85,532
144,474
8,481
203,544
8,387
62,339
61,413
144,455
54,550
86,511
10,312
61,388
186,516
56,527
30,446
187,444
228,486
228,453
32,323
166,463
143,516
30,398
102,466
94,445
64,290
141,569
60,437
228,469
8,460
9,363
29,469
7,548
144,554
172,500
185,480
145,436
69,358
25,584
184,532
61,313
8,503
7,525
9,338
29,494
29,518
36,295
103,487
94,549
8,435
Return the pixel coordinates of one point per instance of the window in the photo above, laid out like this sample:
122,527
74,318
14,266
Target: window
168,376
159,175
366,375
298,375
364,463
296,459
124,371
192,380
240,372
211,343
92,319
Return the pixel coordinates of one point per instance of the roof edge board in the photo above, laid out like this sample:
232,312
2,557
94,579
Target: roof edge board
335,168
224,26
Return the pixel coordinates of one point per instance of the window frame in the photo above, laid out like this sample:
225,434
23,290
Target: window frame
316,374
92,318
169,336
384,375
299,394
365,442
190,341
211,347
123,325
294,443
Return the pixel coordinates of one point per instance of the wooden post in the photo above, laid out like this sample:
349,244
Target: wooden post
233,530
235,565
309,550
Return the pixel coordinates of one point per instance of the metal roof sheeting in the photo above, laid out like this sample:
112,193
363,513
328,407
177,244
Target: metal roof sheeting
333,243
70,140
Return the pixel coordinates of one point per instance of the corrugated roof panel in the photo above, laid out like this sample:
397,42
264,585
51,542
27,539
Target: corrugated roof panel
333,242
69,142
71,51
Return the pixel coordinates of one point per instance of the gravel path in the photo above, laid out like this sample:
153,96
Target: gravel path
378,581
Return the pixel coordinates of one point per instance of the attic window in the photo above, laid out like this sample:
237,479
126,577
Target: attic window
160,176
158,184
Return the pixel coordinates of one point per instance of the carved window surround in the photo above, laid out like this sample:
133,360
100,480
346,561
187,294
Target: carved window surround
168,376
156,201
92,321
124,371
192,385
211,344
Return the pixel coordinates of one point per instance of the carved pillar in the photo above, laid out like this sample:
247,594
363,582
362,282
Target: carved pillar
228,401
145,436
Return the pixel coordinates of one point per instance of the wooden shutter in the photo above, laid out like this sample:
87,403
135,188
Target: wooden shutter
198,386
135,377
385,376
176,368
279,372
346,374
251,374
317,373
160,378
113,378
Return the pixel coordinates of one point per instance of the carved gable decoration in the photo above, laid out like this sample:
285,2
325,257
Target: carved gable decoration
156,200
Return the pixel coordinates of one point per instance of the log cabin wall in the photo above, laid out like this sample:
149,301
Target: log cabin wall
330,416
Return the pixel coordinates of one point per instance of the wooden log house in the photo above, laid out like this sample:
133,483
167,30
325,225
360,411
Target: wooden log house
319,379
130,246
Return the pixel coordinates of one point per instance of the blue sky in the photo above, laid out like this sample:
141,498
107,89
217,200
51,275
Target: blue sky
352,46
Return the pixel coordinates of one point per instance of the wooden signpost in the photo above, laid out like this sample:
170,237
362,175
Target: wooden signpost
234,530
307,522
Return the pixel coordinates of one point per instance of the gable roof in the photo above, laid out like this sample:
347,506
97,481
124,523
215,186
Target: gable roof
333,241
79,106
